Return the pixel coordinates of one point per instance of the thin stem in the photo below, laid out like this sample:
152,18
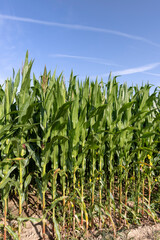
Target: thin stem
20,198
82,202
126,196
149,192
93,185
120,199
120,189
64,202
82,186
100,190
138,184
74,211
43,221
43,204
20,212
53,197
143,197
5,218
110,183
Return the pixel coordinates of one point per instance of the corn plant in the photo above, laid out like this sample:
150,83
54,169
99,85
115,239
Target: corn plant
86,146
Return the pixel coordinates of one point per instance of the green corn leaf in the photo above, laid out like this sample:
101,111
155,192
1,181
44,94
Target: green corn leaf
63,109
32,219
27,181
147,135
125,107
6,178
54,203
16,84
6,190
12,233
56,227
29,112
39,185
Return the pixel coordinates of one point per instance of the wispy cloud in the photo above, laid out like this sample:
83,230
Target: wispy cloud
153,74
131,70
79,27
137,70
88,59
1,21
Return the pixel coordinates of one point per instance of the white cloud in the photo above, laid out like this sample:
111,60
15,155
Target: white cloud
137,70
88,59
153,74
131,70
78,27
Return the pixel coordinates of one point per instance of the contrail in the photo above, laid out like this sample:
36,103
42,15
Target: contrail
79,27
153,74
131,70
137,70
88,59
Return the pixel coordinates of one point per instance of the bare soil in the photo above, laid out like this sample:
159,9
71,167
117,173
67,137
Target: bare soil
33,231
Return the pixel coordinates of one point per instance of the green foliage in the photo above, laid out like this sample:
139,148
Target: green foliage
85,140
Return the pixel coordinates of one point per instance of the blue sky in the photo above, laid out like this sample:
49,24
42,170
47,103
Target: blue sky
91,37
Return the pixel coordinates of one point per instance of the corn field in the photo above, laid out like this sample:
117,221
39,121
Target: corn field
88,151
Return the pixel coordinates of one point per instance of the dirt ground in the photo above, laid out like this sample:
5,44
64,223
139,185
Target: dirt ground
33,231
142,232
